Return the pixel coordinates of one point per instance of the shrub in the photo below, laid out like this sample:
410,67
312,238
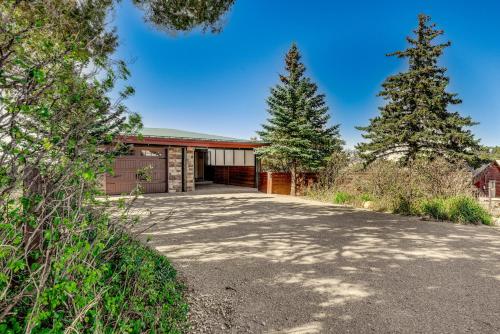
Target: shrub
463,209
394,187
102,280
341,197
145,282
366,197
404,205
458,209
437,188
435,208
66,264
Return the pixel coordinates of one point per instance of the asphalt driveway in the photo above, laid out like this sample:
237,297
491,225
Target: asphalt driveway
277,264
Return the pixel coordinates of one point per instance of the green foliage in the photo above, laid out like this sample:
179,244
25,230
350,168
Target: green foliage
128,288
416,122
366,197
462,209
184,15
341,197
458,209
487,154
435,208
143,293
404,205
297,130
66,263
438,189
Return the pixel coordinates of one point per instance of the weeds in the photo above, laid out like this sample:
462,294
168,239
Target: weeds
437,189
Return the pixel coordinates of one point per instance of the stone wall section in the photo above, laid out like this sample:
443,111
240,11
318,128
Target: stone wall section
175,169
189,174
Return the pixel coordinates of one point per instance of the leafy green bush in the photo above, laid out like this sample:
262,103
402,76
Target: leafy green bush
403,206
435,208
458,209
341,197
102,280
143,293
366,197
67,264
463,209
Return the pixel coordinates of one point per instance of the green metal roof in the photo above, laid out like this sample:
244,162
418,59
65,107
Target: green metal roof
181,134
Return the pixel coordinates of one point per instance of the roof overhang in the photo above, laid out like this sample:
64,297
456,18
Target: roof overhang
205,143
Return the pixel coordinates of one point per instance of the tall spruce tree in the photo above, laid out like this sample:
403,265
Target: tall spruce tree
297,130
416,122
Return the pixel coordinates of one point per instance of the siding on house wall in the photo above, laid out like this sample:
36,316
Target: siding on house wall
493,174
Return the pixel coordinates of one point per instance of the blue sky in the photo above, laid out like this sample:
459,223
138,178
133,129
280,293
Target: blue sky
219,83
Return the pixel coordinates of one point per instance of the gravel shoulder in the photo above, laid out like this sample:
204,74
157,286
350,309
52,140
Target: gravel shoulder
262,263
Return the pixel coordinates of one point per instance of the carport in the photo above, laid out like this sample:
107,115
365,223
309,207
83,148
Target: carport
170,160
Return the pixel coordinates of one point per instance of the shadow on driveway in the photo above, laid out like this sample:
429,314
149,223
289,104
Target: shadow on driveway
262,263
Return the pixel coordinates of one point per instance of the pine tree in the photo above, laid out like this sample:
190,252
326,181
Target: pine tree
416,122
297,130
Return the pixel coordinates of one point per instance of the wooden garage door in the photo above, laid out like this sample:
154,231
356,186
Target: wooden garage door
129,171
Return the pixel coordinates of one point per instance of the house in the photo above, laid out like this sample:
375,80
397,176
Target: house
169,160
486,176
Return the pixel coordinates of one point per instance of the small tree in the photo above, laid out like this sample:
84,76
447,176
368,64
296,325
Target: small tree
297,130
416,121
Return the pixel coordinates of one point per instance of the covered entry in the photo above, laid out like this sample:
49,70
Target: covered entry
225,166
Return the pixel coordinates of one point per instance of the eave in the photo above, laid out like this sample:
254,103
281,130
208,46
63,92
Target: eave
204,143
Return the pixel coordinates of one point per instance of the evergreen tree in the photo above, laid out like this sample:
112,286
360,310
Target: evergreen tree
416,122
297,130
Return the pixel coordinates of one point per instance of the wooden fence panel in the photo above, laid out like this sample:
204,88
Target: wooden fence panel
242,176
280,183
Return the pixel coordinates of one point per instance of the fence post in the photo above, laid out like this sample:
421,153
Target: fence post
491,193
269,183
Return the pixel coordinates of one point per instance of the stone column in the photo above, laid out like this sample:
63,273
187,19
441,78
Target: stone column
174,169
189,172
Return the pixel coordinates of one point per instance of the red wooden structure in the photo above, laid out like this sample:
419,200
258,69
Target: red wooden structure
281,183
487,174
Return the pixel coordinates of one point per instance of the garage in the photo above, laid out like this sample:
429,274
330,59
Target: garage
145,166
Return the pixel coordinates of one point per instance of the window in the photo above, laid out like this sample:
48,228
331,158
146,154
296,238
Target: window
211,158
151,152
228,158
249,158
219,157
239,158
